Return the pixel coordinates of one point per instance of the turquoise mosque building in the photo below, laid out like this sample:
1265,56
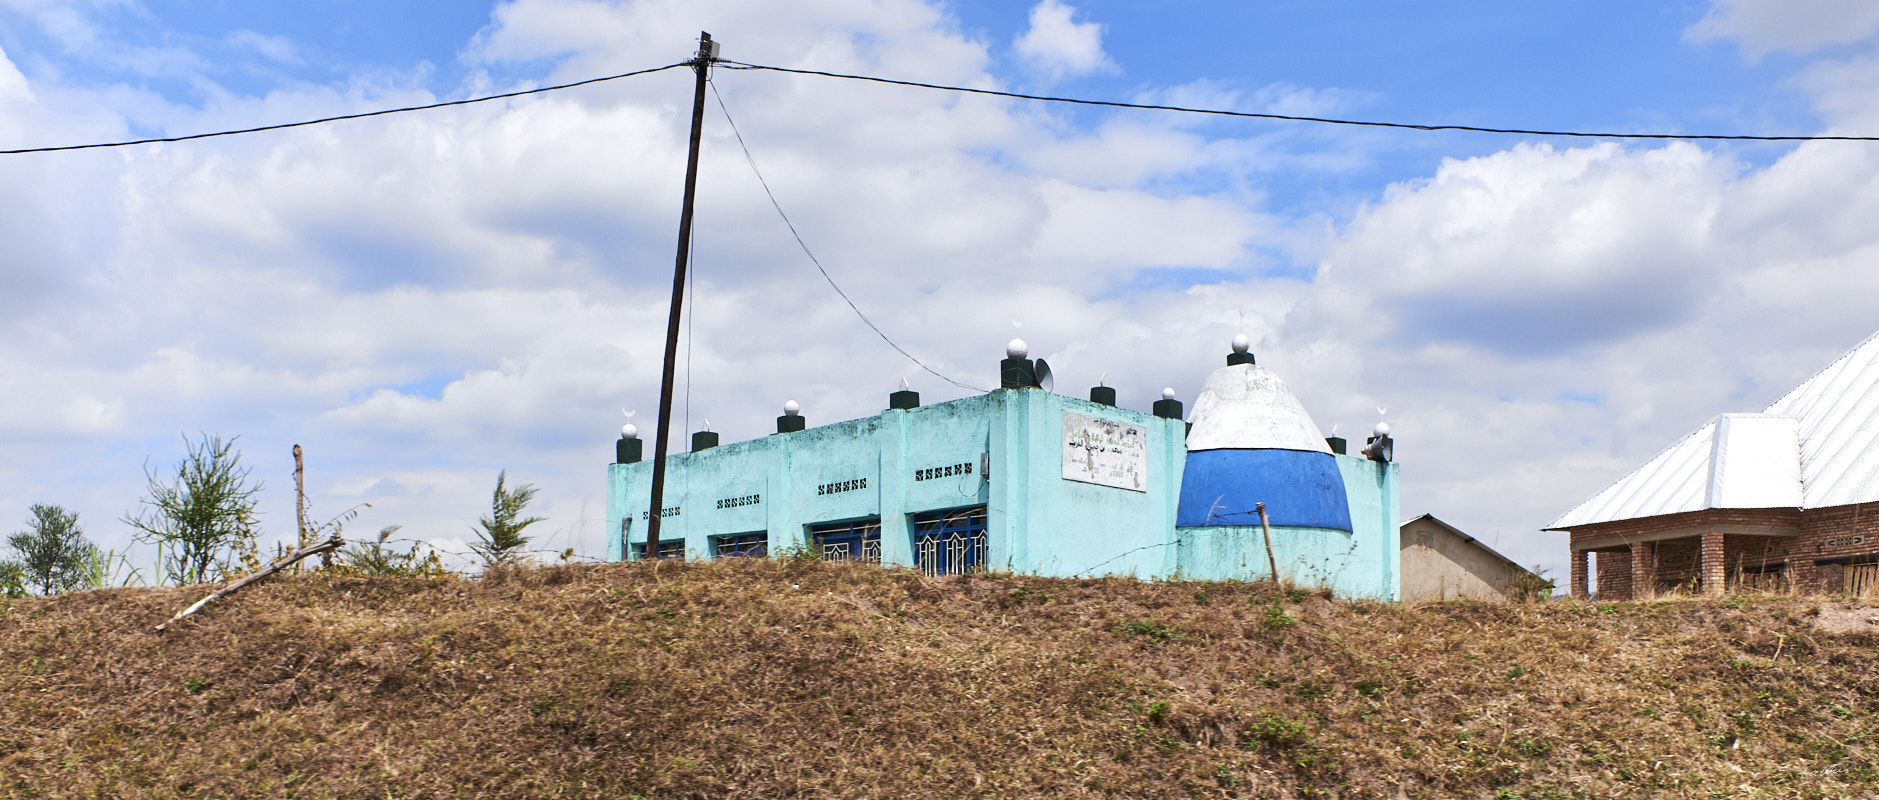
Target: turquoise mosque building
1028,481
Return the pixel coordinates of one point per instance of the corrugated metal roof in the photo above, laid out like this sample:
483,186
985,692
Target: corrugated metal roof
1813,448
1838,411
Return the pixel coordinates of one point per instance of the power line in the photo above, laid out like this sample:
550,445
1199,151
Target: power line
812,256
1291,118
992,92
324,120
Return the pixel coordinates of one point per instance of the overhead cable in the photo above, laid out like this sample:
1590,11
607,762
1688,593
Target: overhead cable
323,120
728,64
812,256
1290,118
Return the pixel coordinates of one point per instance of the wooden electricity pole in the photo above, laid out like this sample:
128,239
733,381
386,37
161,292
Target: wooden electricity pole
701,64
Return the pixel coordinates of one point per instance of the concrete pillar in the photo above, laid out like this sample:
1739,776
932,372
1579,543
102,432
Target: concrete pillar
1643,570
1580,590
1711,561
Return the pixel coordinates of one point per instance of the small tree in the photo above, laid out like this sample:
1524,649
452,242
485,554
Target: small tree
501,538
52,554
203,516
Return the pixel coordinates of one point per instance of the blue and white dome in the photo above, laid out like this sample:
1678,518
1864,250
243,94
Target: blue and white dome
1252,443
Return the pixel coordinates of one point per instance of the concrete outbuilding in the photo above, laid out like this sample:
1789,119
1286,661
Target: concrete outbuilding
1442,563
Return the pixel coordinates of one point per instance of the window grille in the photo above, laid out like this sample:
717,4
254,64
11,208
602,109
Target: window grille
668,548
742,544
950,542
859,540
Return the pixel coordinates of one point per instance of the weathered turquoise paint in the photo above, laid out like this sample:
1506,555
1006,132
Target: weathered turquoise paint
1003,450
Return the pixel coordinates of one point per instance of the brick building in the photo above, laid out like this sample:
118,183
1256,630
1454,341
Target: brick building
1785,498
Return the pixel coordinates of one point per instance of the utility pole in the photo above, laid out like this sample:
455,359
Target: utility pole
701,64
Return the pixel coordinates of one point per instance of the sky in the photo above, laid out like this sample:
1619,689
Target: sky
424,300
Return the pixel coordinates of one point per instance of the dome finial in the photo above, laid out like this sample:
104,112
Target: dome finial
1240,343
1017,349
791,408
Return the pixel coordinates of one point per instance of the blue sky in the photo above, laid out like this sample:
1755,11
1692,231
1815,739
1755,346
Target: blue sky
424,300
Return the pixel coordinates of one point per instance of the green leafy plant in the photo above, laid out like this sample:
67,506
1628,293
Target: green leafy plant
1277,732
202,516
1155,633
1276,619
1158,711
51,553
13,580
501,540
375,558
1530,586
103,569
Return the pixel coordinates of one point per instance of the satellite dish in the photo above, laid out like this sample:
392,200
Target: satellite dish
1044,379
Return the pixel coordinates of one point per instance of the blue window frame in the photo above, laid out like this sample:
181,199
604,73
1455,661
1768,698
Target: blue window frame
856,540
741,544
668,548
950,542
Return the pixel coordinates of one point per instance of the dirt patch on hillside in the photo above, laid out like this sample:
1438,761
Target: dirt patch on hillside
1848,618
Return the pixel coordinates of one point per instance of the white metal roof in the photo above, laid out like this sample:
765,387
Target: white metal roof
1246,406
1813,448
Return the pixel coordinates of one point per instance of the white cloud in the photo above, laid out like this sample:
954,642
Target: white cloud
1058,47
12,84
1794,26
279,49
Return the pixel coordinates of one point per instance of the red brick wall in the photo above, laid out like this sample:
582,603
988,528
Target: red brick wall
1614,574
1828,533
1786,517
1825,533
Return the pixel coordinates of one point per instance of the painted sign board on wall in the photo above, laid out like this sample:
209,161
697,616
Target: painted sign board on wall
1104,453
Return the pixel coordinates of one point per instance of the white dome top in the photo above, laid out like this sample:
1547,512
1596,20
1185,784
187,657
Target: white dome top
1017,349
1247,407
1240,343
791,408
627,431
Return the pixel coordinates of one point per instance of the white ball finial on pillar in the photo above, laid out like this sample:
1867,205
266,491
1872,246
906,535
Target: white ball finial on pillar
627,431
790,408
1382,430
1240,343
1168,393
1017,349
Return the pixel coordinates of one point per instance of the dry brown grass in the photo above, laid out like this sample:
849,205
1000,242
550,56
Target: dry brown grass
789,678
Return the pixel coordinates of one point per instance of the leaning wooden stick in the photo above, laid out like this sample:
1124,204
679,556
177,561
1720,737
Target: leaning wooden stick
1265,529
313,549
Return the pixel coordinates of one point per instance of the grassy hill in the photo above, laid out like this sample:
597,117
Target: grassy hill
792,678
